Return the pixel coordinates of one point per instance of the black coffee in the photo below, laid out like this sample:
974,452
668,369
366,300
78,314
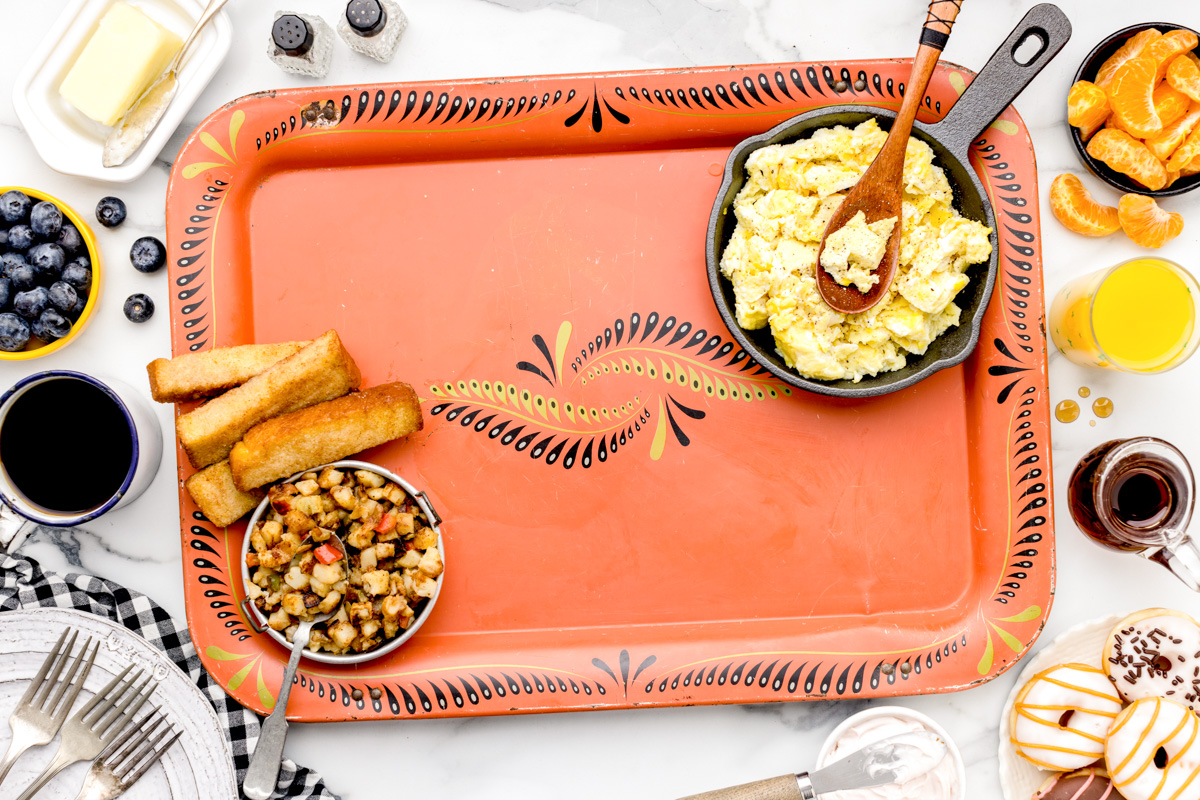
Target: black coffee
66,446
1141,498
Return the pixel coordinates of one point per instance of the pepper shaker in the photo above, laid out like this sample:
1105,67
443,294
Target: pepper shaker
373,28
301,44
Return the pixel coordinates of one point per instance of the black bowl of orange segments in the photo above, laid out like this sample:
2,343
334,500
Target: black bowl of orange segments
1114,133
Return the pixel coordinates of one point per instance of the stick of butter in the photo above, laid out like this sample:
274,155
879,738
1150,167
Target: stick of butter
127,52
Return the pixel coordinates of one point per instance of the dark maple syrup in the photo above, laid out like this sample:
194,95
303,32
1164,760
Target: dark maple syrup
1141,498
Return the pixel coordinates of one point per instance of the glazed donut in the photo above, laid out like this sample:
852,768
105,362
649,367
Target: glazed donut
1156,653
1086,784
1061,717
1153,751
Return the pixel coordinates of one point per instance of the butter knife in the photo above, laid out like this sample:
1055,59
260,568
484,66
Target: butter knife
142,117
894,760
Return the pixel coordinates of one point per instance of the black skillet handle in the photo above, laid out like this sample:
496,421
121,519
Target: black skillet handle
1003,78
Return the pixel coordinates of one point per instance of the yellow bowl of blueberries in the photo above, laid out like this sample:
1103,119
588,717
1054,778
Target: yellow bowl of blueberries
50,274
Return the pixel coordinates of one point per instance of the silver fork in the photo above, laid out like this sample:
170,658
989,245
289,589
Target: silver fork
96,725
128,757
49,698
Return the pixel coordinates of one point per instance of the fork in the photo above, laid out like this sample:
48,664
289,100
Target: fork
128,757
96,725
49,698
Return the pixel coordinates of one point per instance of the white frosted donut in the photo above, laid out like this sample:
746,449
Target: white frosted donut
1156,653
1062,716
1137,767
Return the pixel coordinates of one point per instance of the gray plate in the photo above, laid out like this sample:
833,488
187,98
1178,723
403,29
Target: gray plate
997,84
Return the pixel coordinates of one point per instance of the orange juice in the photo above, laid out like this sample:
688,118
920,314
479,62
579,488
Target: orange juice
1139,316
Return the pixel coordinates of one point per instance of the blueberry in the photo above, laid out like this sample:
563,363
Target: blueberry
63,296
69,239
32,303
47,261
21,237
110,211
46,220
82,261
139,308
77,310
5,292
148,254
77,276
51,326
3,239
23,278
10,261
14,333
14,207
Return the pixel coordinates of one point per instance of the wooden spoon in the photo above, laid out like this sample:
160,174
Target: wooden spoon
878,193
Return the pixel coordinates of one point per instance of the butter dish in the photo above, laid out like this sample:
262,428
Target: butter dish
67,140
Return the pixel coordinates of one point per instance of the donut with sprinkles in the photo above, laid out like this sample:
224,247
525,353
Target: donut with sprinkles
1156,653
1153,751
1061,718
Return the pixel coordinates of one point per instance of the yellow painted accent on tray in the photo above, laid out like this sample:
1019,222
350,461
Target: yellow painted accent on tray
192,170
1031,613
985,663
212,651
211,143
660,434
264,695
956,82
240,676
1013,642
1004,126
208,140
560,347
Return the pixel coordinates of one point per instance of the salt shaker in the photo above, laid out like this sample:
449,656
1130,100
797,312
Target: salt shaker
301,44
373,28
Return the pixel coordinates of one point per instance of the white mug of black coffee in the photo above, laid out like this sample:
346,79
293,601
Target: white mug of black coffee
72,447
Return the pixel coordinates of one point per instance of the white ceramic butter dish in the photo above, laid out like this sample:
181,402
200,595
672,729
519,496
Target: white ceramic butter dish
70,142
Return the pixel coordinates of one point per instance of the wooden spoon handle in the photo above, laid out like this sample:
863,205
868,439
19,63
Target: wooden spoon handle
942,14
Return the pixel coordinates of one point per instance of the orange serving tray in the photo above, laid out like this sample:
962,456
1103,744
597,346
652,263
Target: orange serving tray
636,514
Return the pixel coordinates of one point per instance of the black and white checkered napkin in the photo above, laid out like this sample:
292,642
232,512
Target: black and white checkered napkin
23,584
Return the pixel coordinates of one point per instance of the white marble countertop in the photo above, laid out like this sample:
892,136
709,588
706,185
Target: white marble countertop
651,753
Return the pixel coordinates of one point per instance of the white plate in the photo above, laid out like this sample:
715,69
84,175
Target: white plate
197,767
1083,644
71,143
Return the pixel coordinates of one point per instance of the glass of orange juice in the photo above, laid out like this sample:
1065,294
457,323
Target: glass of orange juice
1139,316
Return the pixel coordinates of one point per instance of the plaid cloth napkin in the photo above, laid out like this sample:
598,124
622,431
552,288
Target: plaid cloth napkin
23,584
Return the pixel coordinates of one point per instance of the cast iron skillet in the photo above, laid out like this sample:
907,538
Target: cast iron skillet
997,84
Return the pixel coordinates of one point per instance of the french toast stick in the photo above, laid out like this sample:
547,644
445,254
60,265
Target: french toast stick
322,433
194,376
223,503
321,371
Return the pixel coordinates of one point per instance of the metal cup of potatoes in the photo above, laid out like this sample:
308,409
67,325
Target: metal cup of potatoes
382,610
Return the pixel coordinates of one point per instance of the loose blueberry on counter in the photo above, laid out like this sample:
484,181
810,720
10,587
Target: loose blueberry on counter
139,308
51,326
21,237
46,220
148,254
69,239
47,261
5,293
23,278
77,276
10,261
14,333
32,303
63,296
110,211
15,206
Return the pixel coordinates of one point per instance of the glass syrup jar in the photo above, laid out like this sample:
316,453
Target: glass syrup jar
1137,496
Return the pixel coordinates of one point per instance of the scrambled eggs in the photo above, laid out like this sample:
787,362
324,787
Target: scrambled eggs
790,193
853,251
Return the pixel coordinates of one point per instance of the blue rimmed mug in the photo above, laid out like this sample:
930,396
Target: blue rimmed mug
18,513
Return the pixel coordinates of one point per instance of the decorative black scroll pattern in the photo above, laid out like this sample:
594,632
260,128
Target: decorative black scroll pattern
800,675
219,594
194,264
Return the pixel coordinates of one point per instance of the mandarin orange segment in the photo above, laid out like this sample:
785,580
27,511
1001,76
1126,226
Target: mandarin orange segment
1131,97
1164,49
1087,108
1077,211
1131,49
1192,168
1170,103
1186,152
1147,224
1184,77
1127,155
1165,143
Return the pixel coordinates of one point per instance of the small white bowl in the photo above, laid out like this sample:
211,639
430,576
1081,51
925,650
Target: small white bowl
952,752
388,646
70,142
